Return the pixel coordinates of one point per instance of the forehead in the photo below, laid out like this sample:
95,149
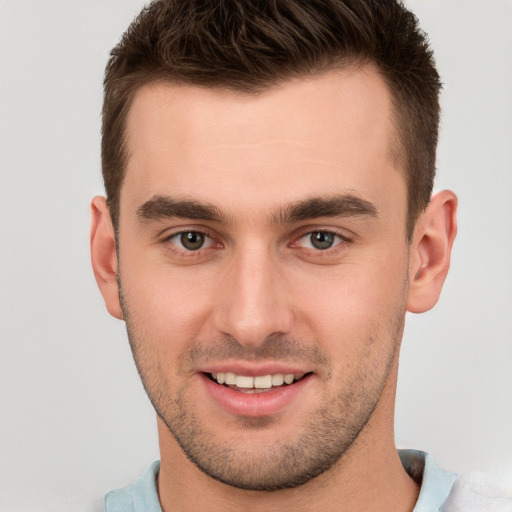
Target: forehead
323,133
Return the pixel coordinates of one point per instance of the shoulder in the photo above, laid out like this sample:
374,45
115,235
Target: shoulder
141,496
479,492
447,492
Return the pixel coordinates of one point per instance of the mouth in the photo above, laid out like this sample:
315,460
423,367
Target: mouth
262,394
255,384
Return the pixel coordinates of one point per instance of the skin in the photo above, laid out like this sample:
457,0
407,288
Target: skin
259,293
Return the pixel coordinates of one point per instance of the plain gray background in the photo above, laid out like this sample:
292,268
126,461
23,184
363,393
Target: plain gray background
74,420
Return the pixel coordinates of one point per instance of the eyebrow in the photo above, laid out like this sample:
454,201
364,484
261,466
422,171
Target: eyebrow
164,207
344,205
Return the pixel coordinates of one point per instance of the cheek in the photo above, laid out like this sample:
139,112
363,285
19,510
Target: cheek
358,300
171,304
163,319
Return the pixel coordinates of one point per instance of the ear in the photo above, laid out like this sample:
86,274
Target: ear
103,255
430,251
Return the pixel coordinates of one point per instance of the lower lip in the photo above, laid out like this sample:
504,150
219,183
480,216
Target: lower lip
254,404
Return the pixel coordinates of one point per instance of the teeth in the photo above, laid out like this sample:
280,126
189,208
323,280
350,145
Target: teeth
259,382
230,379
244,382
264,382
288,378
277,379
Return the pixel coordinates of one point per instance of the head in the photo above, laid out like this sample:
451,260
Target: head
268,168
252,46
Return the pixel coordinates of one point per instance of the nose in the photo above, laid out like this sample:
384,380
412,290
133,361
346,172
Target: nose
254,303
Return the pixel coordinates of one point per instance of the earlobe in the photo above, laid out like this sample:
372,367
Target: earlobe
430,251
103,255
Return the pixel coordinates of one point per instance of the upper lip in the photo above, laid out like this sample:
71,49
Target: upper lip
251,369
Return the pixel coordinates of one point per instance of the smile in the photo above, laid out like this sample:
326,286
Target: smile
257,384
268,393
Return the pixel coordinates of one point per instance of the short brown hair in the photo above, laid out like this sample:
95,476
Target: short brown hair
250,45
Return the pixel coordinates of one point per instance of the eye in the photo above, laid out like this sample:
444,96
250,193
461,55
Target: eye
320,240
191,240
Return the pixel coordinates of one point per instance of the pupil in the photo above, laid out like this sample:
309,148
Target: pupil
192,240
321,240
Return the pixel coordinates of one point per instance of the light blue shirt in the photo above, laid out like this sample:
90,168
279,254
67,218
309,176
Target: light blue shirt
436,485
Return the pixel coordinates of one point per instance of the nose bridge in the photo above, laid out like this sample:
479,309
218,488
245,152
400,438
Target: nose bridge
254,304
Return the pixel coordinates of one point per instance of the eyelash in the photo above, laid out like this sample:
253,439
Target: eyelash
341,240
188,252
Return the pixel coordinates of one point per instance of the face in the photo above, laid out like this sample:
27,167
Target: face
263,270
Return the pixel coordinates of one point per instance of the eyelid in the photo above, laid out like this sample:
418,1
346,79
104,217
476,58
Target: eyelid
214,240
309,230
338,239
208,240
168,236
169,232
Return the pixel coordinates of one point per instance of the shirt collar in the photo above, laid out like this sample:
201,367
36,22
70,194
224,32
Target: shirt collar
436,484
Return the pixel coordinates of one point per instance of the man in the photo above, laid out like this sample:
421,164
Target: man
268,222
